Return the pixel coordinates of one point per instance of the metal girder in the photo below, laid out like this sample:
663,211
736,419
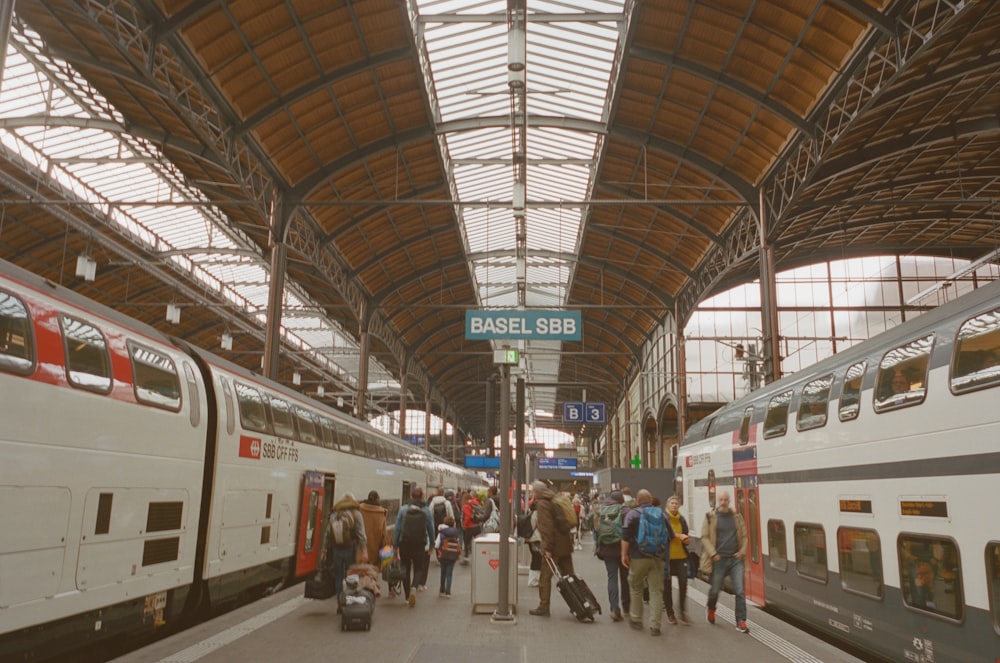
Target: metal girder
885,59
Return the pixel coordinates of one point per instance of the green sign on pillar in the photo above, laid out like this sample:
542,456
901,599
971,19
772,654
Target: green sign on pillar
636,462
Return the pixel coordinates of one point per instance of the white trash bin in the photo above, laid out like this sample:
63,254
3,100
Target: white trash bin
486,573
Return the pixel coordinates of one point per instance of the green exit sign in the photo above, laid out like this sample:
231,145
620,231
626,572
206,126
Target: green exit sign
506,356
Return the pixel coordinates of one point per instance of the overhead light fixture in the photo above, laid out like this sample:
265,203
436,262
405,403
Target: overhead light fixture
86,268
227,341
340,401
320,390
173,313
296,378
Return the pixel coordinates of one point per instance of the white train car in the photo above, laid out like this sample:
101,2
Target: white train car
145,483
866,482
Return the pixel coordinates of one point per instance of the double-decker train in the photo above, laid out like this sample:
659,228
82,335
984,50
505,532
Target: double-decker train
144,482
868,483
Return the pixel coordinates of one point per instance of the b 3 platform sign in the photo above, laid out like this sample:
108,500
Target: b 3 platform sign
583,413
541,325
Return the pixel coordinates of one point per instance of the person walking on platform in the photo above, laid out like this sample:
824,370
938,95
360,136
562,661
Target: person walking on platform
346,536
470,524
646,536
376,532
449,549
413,538
678,563
723,548
607,525
557,544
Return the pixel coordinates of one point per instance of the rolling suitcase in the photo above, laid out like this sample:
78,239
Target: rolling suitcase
581,601
356,610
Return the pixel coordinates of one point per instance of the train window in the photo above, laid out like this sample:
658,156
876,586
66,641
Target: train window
813,404
902,375
87,363
930,575
859,553
745,426
776,417
977,354
253,413
192,385
283,419
810,551
993,581
227,392
777,546
307,426
345,438
155,378
17,348
850,395
329,433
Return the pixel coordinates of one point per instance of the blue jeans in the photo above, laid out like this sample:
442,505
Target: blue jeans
734,569
447,568
340,559
617,577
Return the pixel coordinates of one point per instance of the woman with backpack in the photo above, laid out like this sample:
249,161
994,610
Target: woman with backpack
470,524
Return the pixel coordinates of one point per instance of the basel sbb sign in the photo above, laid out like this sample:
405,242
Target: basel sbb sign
522,325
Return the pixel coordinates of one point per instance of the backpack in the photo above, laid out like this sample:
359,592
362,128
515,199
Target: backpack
440,512
343,528
414,526
479,513
609,524
567,520
492,524
524,527
451,547
653,539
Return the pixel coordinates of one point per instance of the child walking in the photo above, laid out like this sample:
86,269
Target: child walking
449,549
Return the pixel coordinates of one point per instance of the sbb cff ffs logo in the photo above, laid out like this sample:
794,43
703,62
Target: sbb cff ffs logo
250,447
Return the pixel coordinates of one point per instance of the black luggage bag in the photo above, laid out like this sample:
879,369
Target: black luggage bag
320,586
356,609
581,601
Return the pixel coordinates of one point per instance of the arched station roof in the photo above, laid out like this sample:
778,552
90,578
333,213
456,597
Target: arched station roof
419,161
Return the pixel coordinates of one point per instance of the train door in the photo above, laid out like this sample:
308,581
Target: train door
317,492
748,504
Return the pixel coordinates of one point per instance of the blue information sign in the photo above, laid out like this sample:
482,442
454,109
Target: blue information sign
583,413
482,462
523,325
557,463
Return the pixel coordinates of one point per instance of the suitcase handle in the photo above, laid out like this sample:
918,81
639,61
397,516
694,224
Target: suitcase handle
555,569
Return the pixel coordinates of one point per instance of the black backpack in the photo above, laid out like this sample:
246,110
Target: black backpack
414,526
440,513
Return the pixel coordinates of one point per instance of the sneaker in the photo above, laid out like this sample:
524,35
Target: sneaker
711,616
412,600
672,619
634,624
655,632
447,595
616,616
465,561
742,627
684,619
539,612
421,588
442,595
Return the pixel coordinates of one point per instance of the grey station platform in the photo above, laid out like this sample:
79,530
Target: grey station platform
288,627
